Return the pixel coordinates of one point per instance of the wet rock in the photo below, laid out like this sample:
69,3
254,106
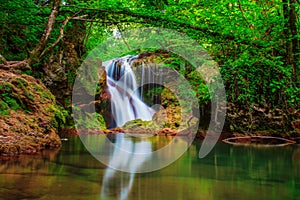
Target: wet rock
244,118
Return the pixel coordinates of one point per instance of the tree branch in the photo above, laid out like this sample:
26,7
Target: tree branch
61,33
15,65
87,35
153,18
122,36
35,54
245,18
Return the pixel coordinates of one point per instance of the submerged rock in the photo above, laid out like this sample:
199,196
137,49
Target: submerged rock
27,115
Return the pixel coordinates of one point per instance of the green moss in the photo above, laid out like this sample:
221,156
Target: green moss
93,121
4,108
101,121
10,101
43,93
21,82
89,120
169,98
59,115
6,87
46,95
138,123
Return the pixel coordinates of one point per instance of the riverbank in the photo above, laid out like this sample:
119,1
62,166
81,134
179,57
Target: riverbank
29,120
200,135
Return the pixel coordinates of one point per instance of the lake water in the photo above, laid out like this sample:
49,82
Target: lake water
228,172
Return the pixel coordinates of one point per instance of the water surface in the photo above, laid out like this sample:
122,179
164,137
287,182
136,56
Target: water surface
228,172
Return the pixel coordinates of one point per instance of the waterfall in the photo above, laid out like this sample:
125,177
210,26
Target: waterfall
126,100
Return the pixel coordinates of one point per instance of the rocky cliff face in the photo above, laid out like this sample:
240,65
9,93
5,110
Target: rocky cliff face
27,115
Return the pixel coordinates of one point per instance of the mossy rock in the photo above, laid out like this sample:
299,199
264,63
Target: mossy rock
136,123
26,115
140,126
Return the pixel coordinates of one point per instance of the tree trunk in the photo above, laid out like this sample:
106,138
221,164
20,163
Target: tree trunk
294,40
285,7
35,54
290,33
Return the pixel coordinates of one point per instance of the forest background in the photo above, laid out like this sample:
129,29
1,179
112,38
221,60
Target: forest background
255,43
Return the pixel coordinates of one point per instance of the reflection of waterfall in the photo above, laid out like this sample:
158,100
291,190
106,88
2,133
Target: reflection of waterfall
120,182
126,103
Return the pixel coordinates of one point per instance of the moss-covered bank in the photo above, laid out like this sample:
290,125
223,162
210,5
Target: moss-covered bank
28,114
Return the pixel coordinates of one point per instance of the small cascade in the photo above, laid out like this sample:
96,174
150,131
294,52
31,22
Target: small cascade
126,100
152,75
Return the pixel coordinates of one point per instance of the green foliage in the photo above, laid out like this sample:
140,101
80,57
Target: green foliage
248,39
71,77
191,74
151,91
92,121
60,116
22,22
87,120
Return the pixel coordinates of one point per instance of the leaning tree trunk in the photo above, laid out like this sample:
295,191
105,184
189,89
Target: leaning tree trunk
35,54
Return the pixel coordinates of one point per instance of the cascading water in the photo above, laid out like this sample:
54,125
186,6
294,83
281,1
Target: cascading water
126,101
126,104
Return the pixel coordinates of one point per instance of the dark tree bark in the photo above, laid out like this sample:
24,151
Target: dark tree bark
285,7
290,32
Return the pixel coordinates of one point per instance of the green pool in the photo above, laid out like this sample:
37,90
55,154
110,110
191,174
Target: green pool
228,172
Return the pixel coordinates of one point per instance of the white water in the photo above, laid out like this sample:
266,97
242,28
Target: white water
126,103
120,160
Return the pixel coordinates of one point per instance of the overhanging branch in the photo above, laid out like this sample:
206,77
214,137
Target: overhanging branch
35,54
61,33
161,19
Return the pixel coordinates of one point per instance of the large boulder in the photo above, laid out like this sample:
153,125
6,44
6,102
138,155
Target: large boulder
28,115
